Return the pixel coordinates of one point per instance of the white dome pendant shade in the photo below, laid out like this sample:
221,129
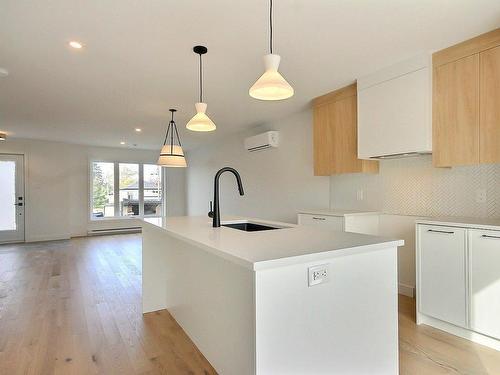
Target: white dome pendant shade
201,122
271,85
171,154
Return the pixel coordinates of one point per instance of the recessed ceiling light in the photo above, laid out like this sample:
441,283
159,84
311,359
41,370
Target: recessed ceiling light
122,143
138,130
76,45
3,136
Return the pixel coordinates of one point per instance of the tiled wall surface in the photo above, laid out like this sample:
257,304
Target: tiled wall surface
412,186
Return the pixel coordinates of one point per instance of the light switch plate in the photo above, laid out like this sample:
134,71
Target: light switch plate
318,274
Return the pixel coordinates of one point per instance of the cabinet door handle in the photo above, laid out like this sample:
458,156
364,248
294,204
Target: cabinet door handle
440,231
319,218
491,237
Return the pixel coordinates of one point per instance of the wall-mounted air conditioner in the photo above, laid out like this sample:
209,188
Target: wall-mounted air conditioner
262,141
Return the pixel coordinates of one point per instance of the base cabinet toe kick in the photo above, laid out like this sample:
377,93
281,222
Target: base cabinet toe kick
458,280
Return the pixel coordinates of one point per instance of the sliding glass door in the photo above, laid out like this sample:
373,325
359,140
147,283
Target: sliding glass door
11,198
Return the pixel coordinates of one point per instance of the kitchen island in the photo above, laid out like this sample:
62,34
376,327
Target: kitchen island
288,300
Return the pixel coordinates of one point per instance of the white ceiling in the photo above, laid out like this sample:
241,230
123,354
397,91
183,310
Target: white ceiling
138,59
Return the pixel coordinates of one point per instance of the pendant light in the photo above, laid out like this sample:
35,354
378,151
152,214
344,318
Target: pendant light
171,154
201,122
271,85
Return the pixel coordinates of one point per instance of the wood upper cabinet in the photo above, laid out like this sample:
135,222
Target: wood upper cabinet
489,107
335,134
466,102
455,125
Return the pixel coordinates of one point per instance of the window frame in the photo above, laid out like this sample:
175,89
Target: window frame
116,190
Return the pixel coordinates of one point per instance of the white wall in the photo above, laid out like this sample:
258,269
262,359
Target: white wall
57,186
277,182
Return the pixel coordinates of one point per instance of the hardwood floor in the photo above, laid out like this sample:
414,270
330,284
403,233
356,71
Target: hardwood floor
74,307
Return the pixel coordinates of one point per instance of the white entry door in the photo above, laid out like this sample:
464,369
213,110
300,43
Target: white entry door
11,198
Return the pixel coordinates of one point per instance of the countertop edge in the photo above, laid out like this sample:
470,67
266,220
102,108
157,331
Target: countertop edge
281,262
457,223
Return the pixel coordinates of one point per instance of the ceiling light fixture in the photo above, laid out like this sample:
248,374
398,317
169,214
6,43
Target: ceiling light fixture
201,122
3,137
171,154
138,130
76,45
122,143
271,85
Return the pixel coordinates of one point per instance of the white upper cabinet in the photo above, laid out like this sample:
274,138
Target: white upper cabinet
394,110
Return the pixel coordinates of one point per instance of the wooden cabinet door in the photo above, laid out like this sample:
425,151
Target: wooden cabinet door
485,281
442,273
489,117
456,112
345,140
322,141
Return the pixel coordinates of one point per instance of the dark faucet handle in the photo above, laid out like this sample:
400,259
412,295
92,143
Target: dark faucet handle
211,212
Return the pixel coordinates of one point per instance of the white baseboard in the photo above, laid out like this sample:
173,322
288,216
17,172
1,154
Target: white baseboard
54,237
406,290
458,331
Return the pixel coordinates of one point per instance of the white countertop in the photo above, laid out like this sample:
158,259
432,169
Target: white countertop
465,222
268,249
337,212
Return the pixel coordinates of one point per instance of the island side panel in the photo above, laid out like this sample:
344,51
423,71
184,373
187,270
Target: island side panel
212,299
348,325
154,257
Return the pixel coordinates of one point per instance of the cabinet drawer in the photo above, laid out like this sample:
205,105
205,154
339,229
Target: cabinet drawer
484,249
442,273
333,222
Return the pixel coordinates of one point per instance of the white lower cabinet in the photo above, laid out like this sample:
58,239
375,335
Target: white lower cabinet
442,273
484,247
458,281
332,222
365,224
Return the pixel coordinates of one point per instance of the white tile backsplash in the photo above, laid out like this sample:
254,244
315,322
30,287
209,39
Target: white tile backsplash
412,186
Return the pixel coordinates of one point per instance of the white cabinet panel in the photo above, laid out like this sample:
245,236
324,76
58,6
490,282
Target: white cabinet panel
333,222
484,247
394,110
442,273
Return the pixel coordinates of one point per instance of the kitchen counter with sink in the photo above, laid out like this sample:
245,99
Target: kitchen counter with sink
287,244
264,297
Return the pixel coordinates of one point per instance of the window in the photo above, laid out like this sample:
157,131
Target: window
103,198
129,189
153,194
138,189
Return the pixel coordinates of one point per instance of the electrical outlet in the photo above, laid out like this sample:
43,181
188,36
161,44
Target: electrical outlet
481,196
318,274
360,195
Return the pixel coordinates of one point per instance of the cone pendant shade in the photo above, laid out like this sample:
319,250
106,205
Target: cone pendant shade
172,157
201,122
271,85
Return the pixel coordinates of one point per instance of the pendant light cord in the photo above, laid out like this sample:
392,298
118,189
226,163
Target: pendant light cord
201,81
271,26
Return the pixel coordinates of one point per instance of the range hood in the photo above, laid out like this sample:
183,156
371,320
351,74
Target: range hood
395,110
399,156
